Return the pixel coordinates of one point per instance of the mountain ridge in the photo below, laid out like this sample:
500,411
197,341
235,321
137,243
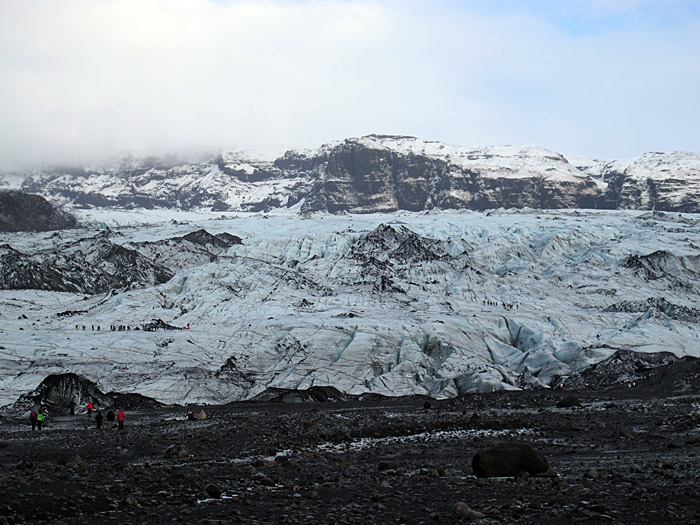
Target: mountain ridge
379,173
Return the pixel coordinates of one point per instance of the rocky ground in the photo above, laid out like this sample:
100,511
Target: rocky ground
626,457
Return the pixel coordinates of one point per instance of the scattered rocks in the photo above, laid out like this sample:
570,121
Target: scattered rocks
334,474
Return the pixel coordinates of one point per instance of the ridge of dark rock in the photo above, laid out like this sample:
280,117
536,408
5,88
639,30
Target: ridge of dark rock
26,212
90,266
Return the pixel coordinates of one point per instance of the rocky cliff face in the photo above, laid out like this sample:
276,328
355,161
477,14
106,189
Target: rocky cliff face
369,175
380,174
23,212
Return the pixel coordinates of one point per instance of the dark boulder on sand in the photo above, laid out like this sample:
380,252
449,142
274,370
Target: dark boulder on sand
568,402
508,459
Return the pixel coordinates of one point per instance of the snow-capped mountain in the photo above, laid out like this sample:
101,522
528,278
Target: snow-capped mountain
434,303
378,174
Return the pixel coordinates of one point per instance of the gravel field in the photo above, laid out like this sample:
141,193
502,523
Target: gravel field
617,457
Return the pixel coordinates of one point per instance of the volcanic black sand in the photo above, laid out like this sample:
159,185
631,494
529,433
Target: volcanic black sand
621,458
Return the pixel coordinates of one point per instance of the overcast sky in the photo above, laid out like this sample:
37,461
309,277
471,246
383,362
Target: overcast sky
84,79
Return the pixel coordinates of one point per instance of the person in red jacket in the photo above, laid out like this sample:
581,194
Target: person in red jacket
90,407
121,416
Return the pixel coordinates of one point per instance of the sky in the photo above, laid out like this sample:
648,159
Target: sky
82,80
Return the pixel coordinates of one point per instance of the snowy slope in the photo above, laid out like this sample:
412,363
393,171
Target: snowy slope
394,304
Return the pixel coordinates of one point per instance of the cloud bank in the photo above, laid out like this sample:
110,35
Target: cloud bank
82,80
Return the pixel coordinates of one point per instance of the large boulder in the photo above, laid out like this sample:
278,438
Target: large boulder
508,459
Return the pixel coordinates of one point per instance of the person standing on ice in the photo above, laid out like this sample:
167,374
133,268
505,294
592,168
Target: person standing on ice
89,408
121,416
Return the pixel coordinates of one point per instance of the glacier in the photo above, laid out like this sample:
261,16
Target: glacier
435,303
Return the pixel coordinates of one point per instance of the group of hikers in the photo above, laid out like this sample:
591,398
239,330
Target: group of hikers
191,416
148,327
120,417
113,327
507,306
36,419
38,416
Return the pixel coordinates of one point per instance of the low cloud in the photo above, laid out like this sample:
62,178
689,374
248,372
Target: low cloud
83,80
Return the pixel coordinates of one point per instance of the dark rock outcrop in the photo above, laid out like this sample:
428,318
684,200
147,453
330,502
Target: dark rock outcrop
508,459
194,249
315,394
90,266
658,305
396,243
206,239
25,212
57,391
655,372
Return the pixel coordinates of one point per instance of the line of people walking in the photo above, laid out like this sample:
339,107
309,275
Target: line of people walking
120,418
506,306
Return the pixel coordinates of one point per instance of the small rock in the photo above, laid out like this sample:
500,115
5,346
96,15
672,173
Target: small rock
461,510
591,474
213,491
559,500
177,451
131,501
262,479
386,465
78,462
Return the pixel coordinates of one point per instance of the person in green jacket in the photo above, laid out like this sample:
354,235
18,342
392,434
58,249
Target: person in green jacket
40,419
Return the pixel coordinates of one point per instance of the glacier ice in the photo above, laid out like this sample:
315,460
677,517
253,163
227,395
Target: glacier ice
435,303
